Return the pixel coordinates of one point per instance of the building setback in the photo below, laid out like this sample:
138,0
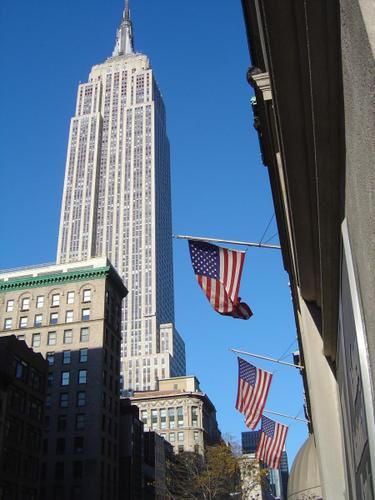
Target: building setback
117,202
180,412
70,313
23,377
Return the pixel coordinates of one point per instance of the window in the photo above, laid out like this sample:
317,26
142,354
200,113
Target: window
59,470
172,423
36,409
66,357
70,298
68,336
181,449
154,419
10,306
50,379
23,322
83,355
21,337
85,335
48,400
7,323
82,376
77,474
85,314
40,301
55,300
65,378
64,400
144,416
35,342
69,317
80,421
25,305
62,421
38,320
172,437
194,416
51,358
86,296
21,369
53,319
35,379
81,398
180,436
180,416
60,446
78,444
196,435
51,338
163,418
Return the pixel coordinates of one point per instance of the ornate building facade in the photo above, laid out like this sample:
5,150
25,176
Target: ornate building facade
180,412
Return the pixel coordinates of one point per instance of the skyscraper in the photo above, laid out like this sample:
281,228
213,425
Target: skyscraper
117,203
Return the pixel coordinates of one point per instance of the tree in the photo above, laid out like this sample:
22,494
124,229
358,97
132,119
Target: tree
220,475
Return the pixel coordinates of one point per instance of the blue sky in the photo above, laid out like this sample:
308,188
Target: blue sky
199,53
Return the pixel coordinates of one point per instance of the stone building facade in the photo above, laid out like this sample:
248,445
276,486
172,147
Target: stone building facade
180,412
71,313
313,73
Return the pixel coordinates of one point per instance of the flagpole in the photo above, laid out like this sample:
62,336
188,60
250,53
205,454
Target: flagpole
230,242
267,358
286,416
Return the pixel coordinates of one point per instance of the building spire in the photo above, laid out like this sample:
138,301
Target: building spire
124,37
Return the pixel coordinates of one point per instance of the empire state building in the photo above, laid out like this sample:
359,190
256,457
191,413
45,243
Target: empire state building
117,203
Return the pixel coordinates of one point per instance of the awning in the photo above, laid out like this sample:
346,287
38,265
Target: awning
304,479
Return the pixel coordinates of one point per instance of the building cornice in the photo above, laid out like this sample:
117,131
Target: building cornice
54,279
263,82
172,395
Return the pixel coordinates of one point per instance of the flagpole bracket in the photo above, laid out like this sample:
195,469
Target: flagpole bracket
266,358
229,242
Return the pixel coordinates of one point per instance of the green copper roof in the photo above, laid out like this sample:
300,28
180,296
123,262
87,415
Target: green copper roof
53,279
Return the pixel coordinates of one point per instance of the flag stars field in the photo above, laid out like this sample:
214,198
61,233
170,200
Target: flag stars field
218,271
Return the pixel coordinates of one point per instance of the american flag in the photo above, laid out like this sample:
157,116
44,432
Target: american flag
253,387
218,271
271,442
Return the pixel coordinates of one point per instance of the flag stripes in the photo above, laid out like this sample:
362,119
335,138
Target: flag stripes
271,443
218,271
252,391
